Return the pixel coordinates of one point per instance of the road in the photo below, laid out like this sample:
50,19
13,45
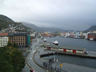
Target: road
30,64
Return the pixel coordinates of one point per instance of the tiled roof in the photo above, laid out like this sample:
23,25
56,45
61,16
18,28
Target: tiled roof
17,34
3,34
92,34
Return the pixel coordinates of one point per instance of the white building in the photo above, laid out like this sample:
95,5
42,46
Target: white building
94,31
3,39
86,35
67,34
33,34
77,34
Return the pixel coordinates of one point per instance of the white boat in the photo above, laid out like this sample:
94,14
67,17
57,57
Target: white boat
56,42
45,40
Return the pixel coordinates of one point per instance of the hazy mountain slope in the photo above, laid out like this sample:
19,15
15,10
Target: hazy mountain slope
43,29
5,22
92,28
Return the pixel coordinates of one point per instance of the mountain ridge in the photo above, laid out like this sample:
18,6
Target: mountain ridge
5,22
92,28
43,29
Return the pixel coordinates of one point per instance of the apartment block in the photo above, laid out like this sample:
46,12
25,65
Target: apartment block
20,39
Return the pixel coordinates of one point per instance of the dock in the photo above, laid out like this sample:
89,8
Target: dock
75,55
77,52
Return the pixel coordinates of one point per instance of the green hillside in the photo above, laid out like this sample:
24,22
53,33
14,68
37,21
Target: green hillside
5,21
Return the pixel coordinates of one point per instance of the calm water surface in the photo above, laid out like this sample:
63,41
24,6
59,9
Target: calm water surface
77,43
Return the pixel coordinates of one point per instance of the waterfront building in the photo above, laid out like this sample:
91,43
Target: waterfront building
70,34
20,39
3,39
92,36
62,34
85,35
67,34
77,34
94,31
46,34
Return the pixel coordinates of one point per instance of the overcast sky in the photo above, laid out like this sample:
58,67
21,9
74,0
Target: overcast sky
65,14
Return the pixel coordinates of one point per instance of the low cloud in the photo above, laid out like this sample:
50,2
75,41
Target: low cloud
67,14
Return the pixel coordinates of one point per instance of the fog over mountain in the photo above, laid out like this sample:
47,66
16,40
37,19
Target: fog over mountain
64,14
44,29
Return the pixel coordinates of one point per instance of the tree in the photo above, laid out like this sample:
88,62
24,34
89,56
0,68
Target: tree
11,59
5,60
17,60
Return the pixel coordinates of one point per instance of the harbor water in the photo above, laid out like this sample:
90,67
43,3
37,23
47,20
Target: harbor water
75,43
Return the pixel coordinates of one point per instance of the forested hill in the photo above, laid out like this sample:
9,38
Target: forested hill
5,21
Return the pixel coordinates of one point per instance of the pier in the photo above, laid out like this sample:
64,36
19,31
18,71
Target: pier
75,55
77,52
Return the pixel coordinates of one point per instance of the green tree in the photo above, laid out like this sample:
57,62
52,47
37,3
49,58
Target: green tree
11,59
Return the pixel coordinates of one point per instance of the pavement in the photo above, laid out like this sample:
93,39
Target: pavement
75,68
30,64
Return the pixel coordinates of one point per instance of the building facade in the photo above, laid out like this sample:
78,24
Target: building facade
92,36
20,39
3,39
